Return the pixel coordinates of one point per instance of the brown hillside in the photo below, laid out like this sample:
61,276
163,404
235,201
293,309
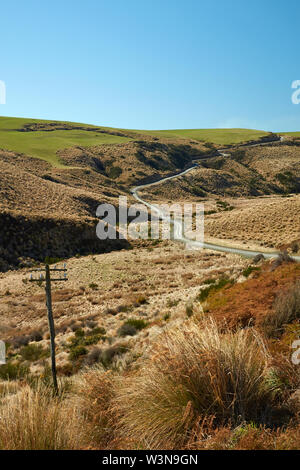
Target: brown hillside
249,302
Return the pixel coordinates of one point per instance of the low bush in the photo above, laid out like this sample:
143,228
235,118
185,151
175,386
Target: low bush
195,373
249,270
93,356
137,323
110,354
127,330
283,257
34,352
286,309
36,335
204,293
19,341
189,309
98,331
94,391
114,172
76,352
93,286
33,419
13,371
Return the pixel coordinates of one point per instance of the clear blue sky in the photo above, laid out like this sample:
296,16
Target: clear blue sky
152,64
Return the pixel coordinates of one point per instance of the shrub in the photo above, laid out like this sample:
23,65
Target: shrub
121,308
76,352
93,286
94,391
109,354
20,341
238,155
131,327
141,300
91,324
137,323
295,246
92,339
189,309
283,257
79,333
209,281
98,331
114,172
79,340
35,420
13,371
286,309
196,373
249,270
75,326
34,352
93,356
204,293
127,330
36,335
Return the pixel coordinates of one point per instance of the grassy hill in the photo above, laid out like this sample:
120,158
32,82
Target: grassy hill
215,136
292,134
43,139
44,144
54,174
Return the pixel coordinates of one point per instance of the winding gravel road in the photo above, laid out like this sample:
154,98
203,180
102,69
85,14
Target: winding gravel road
178,226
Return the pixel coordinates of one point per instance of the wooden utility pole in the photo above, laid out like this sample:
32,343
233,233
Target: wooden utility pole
51,326
48,280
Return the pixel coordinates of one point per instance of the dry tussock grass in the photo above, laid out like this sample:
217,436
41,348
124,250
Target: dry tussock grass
32,419
286,309
196,373
201,389
93,393
249,437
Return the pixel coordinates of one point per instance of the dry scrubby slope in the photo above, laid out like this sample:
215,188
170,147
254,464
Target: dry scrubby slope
96,170
163,274
245,194
227,387
56,193
255,171
80,166
34,187
273,221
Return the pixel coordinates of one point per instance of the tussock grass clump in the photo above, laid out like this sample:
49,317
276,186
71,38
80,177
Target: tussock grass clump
34,352
93,393
213,287
283,257
32,419
249,270
286,309
196,373
13,371
131,327
250,437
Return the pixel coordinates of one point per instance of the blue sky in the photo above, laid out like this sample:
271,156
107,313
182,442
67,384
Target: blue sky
152,64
